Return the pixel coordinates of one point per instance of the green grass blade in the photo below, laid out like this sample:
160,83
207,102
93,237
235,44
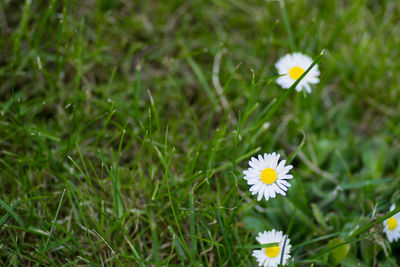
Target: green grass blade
286,21
54,221
11,211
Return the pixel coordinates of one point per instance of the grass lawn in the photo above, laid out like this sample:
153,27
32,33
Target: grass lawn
125,128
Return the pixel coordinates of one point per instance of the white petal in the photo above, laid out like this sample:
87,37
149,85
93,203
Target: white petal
280,165
307,87
253,181
281,186
283,182
283,82
253,163
261,160
390,237
313,80
267,262
275,160
285,169
251,172
255,188
260,193
271,191
266,194
286,176
278,190
299,87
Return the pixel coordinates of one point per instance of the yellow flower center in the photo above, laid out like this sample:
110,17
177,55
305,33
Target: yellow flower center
392,223
295,72
268,176
272,252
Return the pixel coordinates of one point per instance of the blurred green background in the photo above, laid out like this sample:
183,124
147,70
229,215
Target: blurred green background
118,148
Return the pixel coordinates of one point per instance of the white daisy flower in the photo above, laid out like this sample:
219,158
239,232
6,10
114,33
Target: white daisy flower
271,256
391,226
267,177
291,67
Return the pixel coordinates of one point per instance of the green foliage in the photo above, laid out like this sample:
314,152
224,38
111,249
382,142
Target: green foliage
340,251
119,147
